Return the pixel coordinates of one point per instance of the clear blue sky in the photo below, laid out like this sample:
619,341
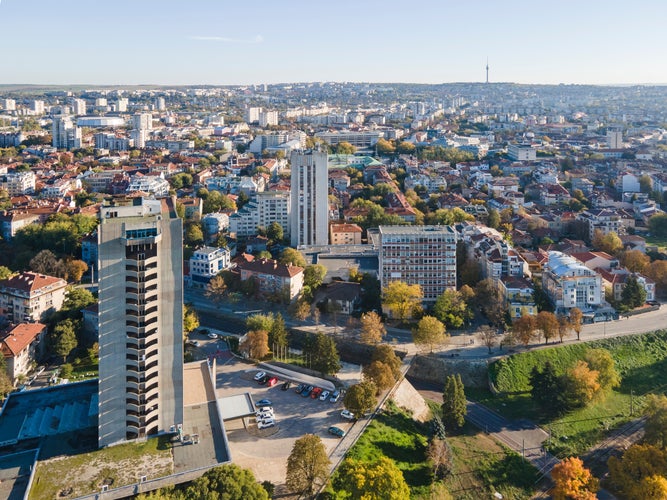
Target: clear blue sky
267,41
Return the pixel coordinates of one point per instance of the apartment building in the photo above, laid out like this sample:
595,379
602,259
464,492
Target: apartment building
569,283
30,296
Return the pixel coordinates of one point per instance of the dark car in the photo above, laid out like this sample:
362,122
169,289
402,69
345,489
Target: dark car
263,402
299,388
286,385
306,392
337,431
263,380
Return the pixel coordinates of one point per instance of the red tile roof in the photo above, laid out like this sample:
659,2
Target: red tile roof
20,337
31,282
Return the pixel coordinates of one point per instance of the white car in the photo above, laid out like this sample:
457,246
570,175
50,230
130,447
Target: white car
324,395
347,415
212,335
260,375
265,424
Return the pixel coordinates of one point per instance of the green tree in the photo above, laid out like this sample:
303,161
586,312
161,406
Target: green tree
451,309
548,389
292,256
633,294
313,275
45,262
360,398
657,224
609,242
380,479
372,328
454,408
307,465
194,235
401,298
638,463
65,338
324,357
260,322
275,232
429,332
226,482
490,301
655,429
493,220
278,332
345,148
384,147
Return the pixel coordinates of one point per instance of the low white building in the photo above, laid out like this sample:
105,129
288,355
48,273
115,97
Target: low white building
207,262
569,283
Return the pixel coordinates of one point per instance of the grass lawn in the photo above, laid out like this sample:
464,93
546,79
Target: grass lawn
483,466
85,473
660,241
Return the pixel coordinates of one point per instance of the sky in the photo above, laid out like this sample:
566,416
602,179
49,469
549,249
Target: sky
222,42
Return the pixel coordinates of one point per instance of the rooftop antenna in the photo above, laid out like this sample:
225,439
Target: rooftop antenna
487,70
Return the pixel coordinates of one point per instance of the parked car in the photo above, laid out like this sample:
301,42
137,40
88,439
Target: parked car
347,415
264,402
263,380
212,335
286,385
263,415
324,395
316,393
265,424
259,375
299,388
336,431
272,381
306,392
335,395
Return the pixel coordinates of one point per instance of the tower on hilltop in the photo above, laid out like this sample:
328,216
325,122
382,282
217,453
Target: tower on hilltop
487,70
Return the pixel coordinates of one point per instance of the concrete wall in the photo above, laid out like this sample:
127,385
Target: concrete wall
434,369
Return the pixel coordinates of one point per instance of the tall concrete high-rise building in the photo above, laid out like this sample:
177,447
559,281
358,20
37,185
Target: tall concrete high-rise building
140,257
9,104
142,121
615,137
65,134
79,106
309,217
419,255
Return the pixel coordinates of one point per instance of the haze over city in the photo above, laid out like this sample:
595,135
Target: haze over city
230,43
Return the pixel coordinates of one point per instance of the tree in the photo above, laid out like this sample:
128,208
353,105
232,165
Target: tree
292,256
564,326
190,319
65,338
573,480
490,300
372,328
639,462
299,309
454,408
5,273
657,271
275,232
429,332
548,389
488,337
493,220
360,398
278,332
307,465
633,294
384,147
216,289
582,384
440,455
652,487
524,329
634,261
193,234
655,429
657,224
380,374
259,322
451,309
547,323
576,317
45,262
255,344
386,355
601,361
324,357
313,275
226,482
380,479
401,298
345,148
75,269
609,242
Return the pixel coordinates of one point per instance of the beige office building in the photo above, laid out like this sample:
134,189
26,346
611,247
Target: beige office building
140,319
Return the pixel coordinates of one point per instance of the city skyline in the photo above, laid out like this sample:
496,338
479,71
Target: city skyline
169,43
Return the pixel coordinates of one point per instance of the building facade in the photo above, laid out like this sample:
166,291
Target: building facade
207,262
30,296
422,255
310,203
569,283
140,252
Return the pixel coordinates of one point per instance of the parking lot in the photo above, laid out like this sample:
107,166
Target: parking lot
265,452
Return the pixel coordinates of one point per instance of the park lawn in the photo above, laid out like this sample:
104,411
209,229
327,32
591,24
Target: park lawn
482,466
85,473
660,241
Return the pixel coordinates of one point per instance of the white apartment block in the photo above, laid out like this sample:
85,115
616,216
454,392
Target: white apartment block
155,185
9,104
422,255
521,152
268,118
569,283
268,207
79,107
309,217
206,263
18,183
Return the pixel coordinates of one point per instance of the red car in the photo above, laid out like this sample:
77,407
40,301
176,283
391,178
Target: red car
316,393
272,381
